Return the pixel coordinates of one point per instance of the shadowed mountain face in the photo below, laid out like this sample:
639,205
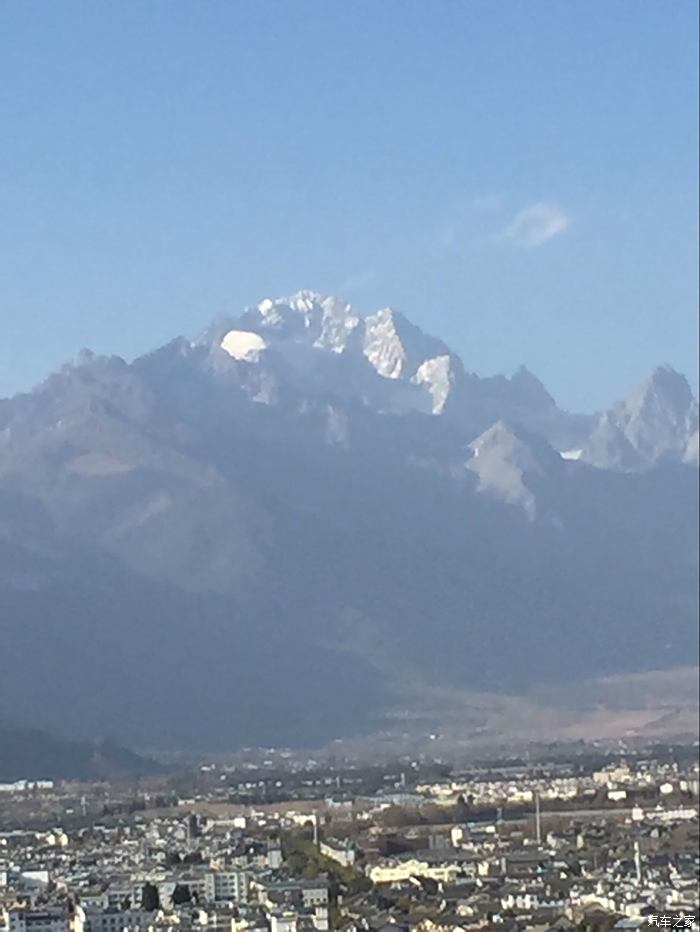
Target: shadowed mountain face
305,520
28,754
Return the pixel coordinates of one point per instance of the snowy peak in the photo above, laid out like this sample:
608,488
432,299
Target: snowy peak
316,347
395,347
302,311
323,321
383,346
339,324
302,330
439,376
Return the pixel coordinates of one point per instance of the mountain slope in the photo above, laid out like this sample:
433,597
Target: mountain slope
286,537
29,754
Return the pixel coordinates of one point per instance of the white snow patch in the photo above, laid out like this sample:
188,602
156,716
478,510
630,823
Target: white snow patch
437,376
338,322
383,346
243,344
571,454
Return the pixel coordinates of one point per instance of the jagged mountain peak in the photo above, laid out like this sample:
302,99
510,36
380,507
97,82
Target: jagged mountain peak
666,374
531,390
306,317
237,504
289,343
87,362
315,347
388,340
87,382
292,341
653,423
303,303
497,433
665,386
395,347
506,460
528,451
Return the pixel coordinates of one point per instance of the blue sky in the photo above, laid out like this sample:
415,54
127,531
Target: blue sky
518,178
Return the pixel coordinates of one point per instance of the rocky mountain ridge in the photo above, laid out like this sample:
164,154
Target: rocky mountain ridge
657,421
304,521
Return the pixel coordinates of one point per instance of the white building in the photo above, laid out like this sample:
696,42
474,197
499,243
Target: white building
226,886
343,854
283,921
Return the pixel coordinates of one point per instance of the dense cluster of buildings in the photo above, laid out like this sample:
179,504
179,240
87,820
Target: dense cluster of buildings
613,848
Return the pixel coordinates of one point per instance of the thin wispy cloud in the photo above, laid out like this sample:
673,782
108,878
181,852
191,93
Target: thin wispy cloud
535,225
484,221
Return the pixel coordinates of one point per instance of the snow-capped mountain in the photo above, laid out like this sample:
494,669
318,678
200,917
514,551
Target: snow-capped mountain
315,345
303,511
392,345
